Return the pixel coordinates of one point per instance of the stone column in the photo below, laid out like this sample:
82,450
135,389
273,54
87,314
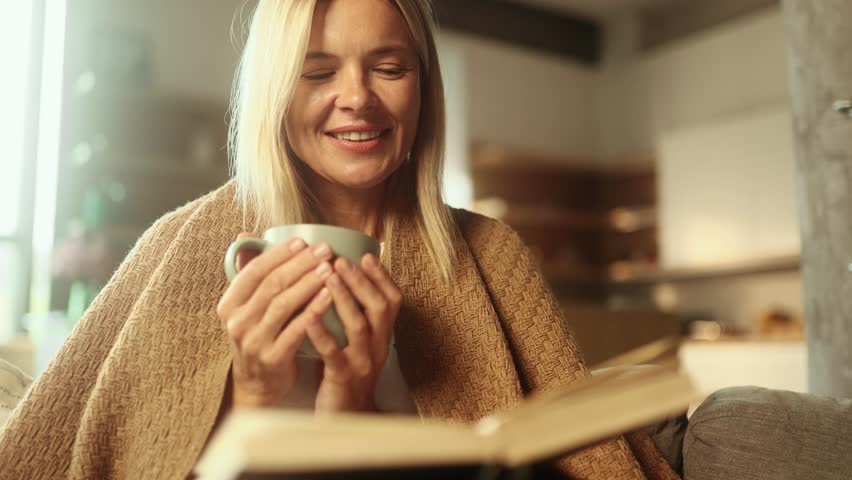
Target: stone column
819,40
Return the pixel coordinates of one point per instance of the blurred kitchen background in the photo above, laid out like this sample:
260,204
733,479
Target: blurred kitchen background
642,148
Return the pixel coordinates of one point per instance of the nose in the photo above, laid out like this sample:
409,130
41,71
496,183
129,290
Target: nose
355,94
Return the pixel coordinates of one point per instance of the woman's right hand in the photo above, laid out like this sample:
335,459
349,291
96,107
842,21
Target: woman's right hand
282,287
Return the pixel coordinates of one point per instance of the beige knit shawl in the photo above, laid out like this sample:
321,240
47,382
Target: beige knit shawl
135,390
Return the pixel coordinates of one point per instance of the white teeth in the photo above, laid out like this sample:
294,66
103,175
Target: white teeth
356,136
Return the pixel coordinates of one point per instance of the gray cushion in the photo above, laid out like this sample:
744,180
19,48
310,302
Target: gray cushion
750,433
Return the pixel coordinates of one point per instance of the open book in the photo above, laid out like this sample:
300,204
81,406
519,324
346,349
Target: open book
290,444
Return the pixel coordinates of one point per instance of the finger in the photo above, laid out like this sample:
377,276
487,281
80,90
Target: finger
227,303
328,349
287,343
251,276
276,282
283,306
383,281
236,328
355,324
367,294
285,275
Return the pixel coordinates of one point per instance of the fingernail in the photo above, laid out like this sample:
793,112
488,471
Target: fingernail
370,260
321,250
344,264
323,270
296,245
324,295
334,280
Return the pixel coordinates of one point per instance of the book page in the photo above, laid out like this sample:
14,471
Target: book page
660,353
587,415
287,441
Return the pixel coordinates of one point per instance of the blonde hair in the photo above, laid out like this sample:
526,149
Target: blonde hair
265,166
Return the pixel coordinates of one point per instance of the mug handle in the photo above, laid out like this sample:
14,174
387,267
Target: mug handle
231,269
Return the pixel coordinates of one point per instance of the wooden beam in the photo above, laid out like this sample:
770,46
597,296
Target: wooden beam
569,36
668,22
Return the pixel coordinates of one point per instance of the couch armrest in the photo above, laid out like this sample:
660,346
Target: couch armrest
756,433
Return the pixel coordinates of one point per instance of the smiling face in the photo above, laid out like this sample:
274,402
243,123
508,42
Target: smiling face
353,118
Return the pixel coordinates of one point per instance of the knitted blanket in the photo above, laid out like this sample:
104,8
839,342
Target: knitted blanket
136,389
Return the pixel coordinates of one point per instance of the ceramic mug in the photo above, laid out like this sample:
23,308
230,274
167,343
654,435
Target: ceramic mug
344,242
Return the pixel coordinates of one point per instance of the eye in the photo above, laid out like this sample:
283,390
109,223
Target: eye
391,71
318,75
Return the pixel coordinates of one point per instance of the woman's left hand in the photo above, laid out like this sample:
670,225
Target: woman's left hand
350,374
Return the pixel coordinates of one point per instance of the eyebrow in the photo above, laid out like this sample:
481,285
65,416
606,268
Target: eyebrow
385,50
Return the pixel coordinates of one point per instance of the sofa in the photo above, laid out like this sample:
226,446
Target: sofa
750,433
753,433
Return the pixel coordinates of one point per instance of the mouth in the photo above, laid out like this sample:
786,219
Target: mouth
358,140
358,136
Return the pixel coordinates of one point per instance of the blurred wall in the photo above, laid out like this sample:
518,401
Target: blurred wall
522,98
727,190
732,68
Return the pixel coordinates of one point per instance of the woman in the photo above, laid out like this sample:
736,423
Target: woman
338,112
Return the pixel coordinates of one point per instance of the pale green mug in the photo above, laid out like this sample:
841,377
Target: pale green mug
344,242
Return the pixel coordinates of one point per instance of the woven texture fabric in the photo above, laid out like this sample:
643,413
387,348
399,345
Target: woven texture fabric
135,390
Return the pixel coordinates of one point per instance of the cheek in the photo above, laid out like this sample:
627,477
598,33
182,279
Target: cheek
294,121
303,118
407,108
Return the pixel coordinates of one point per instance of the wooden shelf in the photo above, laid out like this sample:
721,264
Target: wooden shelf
616,220
499,158
575,274
745,339
576,215
528,178
646,275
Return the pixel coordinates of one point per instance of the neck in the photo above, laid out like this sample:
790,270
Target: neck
361,210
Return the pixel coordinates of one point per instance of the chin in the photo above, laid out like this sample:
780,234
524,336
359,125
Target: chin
360,183
361,178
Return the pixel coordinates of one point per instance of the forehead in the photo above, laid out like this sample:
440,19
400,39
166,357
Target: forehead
342,25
